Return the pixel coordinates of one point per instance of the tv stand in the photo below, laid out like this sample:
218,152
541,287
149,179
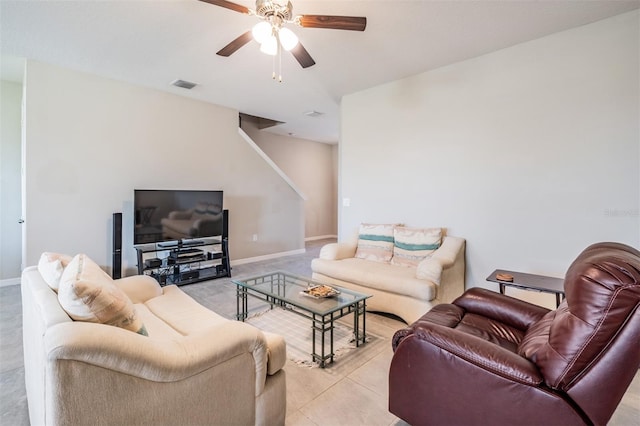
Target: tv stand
179,263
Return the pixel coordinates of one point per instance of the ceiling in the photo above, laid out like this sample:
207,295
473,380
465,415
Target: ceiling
153,42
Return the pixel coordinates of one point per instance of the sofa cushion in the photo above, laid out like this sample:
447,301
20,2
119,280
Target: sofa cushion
181,312
155,326
412,245
375,242
51,266
87,293
380,276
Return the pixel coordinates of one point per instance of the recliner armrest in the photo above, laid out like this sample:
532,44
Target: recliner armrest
478,352
499,307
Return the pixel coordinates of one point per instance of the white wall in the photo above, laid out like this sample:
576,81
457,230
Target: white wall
531,153
10,199
91,141
312,167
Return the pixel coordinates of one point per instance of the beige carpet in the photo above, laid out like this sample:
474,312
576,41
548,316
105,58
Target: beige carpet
297,333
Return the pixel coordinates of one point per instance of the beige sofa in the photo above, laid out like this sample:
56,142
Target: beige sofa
194,367
399,290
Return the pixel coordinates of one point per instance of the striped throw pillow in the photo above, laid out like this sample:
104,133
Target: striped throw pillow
412,245
375,242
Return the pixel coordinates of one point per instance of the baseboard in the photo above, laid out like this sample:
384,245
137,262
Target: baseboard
267,257
321,237
9,281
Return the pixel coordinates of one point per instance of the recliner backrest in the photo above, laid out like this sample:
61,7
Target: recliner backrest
602,288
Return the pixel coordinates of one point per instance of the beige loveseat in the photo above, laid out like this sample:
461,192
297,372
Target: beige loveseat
192,367
407,292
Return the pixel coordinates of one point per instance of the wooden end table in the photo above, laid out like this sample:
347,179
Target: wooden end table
530,282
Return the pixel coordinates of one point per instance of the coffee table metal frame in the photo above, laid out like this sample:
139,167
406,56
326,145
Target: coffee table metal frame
284,290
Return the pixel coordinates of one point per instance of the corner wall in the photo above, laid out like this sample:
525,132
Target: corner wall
531,153
91,141
312,167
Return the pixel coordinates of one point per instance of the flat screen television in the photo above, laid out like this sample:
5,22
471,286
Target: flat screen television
176,215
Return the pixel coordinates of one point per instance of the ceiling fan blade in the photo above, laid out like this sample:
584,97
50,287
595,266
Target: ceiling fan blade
303,57
228,5
352,23
236,44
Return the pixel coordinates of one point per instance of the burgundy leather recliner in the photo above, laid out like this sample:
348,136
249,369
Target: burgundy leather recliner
491,359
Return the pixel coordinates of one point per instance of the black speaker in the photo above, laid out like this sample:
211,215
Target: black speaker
116,270
225,223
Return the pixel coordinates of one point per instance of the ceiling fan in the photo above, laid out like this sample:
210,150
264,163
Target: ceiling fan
272,34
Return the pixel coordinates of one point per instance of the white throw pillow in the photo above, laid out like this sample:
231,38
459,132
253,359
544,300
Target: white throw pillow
51,266
87,293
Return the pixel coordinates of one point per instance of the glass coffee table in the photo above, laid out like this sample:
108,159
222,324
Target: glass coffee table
291,292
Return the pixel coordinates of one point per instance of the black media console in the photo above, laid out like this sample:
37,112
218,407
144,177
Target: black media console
185,263
188,261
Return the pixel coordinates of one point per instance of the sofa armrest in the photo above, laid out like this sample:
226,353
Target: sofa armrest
158,360
139,288
338,251
276,352
480,354
499,307
443,258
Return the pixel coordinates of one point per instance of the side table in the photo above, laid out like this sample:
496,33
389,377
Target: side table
530,282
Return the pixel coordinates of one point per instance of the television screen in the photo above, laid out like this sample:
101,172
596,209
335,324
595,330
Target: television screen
176,215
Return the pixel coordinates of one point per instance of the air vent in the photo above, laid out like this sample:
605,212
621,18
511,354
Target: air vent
313,113
184,84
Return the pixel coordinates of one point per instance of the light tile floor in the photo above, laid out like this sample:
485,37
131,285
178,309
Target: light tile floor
352,391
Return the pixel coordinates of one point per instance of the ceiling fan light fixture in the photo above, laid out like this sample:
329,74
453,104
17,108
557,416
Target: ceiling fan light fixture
270,46
261,31
288,39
